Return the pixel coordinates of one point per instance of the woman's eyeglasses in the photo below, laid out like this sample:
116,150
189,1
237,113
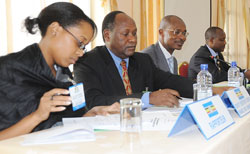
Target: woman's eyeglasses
80,43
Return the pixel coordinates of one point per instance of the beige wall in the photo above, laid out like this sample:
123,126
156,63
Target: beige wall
196,15
128,6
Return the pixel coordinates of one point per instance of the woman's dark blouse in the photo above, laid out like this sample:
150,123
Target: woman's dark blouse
24,78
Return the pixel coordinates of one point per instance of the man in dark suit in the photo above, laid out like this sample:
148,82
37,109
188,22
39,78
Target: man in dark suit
104,78
210,54
172,35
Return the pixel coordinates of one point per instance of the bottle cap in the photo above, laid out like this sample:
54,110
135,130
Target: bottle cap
204,66
233,64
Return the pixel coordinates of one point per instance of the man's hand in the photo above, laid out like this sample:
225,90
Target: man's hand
103,110
220,90
247,74
164,97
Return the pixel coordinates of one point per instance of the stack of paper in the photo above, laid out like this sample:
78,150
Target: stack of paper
61,134
151,120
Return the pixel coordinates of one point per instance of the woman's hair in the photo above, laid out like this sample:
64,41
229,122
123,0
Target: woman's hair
66,14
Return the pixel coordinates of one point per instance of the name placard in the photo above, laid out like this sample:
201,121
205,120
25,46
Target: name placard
210,115
239,99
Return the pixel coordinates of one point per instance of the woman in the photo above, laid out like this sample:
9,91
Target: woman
34,81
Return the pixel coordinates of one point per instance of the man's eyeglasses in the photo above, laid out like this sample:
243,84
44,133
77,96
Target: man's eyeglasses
177,32
80,43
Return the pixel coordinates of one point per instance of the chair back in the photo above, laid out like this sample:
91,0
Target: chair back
183,69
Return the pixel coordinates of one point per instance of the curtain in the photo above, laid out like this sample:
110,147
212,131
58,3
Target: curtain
97,16
109,5
151,13
14,37
233,17
9,27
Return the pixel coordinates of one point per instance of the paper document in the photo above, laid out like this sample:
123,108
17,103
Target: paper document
60,134
185,101
182,103
110,122
158,120
153,120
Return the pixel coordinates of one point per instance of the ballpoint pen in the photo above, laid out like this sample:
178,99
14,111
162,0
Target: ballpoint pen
178,97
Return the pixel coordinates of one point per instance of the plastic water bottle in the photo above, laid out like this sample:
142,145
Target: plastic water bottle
233,75
204,83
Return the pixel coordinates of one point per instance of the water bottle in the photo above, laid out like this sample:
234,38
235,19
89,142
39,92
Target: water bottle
204,83
233,75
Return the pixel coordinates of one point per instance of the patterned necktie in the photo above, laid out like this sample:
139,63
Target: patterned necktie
125,78
218,62
171,64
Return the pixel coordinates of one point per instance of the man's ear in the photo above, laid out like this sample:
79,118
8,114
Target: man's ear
160,31
212,40
106,35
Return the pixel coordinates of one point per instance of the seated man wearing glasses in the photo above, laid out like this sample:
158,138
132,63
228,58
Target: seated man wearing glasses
172,35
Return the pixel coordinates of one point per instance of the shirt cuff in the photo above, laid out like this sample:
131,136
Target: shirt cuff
145,100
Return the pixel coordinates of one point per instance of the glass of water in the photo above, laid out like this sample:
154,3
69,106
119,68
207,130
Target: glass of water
195,91
130,115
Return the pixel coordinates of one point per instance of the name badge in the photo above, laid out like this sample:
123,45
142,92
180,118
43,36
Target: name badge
210,115
238,99
77,96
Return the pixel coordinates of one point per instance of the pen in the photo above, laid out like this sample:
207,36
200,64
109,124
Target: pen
178,97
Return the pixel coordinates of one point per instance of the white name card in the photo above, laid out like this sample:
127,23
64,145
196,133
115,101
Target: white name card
239,99
210,115
77,95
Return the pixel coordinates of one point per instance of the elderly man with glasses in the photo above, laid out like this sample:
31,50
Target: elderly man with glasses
172,35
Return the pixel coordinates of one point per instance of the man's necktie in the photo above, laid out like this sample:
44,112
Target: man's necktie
125,78
218,62
171,64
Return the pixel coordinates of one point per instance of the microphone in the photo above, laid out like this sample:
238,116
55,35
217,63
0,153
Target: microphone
220,60
241,70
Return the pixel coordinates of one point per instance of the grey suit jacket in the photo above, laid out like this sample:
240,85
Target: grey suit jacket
155,52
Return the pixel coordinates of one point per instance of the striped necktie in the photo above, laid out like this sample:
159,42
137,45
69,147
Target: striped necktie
125,78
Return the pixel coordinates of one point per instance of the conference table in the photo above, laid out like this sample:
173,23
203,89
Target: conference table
233,140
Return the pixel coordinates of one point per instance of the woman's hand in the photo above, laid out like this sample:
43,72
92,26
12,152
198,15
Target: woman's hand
52,101
103,110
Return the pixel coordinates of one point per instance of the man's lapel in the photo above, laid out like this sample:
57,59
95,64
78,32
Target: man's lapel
162,61
112,71
133,72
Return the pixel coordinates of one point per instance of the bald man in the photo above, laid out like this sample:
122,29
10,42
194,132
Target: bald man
215,39
172,35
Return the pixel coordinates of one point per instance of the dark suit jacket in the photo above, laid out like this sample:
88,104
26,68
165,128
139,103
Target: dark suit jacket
103,84
155,52
202,56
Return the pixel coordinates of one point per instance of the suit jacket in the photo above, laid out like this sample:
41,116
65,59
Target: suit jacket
155,52
103,84
202,56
